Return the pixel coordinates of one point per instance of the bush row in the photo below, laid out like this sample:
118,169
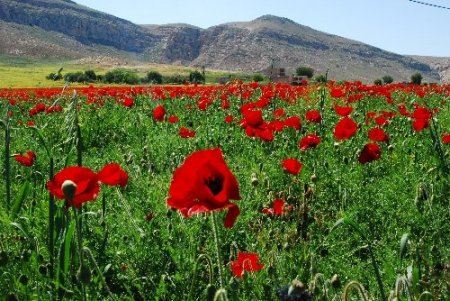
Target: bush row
123,76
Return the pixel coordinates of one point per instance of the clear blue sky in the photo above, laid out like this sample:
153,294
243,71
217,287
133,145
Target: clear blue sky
400,26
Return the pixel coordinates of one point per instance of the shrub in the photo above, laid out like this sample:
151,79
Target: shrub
54,76
121,76
416,78
387,79
258,77
154,77
76,77
196,77
321,79
175,79
378,82
305,71
90,74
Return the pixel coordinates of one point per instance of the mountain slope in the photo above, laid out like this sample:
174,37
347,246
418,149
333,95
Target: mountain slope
62,28
270,40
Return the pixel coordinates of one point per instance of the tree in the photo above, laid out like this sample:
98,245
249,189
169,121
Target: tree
321,78
305,71
378,82
196,77
258,78
387,79
416,78
154,77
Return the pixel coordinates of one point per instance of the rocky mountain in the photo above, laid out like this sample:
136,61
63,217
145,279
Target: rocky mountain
65,29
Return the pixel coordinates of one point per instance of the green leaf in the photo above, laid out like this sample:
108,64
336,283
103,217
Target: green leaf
24,192
67,244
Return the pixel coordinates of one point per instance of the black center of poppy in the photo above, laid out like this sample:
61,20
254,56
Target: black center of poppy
215,184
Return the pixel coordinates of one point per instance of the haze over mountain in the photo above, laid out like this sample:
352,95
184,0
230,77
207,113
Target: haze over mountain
66,30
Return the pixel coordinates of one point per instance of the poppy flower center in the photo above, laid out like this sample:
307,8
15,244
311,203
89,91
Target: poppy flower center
215,184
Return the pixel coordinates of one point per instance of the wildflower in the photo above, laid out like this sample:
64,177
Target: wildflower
292,166
204,183
245,262
313,116
27,159
83,180
370,152
112,174
158,113
345,129
309,141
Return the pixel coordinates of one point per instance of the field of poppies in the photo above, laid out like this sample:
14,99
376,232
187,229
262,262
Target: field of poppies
243,191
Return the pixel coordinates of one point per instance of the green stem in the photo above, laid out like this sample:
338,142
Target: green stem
80,247
7,164
216,243
51,223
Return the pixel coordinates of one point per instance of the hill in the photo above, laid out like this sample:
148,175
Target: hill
64,29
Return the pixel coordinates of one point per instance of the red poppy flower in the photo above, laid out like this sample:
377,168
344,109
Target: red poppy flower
27,159
309,141
446,138
293,122
279,112
112,174
246,262
186,133
337,93
345,129
377,134
85,182
370,152
173,119
342,111
421,118
292,166
277,208
158,113
381,120
313,116
228,119
204,183
128,102
253,118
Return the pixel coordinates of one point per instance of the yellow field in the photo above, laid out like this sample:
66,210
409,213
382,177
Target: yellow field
25,73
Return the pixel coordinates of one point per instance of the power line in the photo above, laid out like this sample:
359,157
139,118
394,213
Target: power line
429,4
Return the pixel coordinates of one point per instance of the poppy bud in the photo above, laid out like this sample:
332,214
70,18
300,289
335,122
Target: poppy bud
313,178
3,258
43,269
84,274
68,187
23,279
296,287
335,281
210,292
254,180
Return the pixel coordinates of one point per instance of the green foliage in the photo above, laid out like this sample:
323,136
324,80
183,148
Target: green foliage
54,76
121,76
387,79
176,79
305,71
321,78
258,78
154,77
416,78
378,82
196,77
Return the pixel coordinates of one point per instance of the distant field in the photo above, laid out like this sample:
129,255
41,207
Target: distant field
25,72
